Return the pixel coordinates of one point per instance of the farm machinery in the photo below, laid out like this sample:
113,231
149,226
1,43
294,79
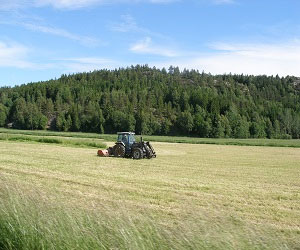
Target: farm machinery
126,146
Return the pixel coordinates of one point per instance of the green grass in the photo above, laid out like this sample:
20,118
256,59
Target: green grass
189,197
226,141
50,133
65,141
169,139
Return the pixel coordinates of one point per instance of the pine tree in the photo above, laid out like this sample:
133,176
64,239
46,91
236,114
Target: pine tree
3,115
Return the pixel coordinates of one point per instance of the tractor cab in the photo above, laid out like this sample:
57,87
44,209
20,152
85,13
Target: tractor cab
127,138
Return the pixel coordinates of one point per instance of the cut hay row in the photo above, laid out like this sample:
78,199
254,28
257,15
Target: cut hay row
169,139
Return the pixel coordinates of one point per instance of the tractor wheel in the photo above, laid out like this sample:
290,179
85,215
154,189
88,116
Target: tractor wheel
119,150
110,151
137,154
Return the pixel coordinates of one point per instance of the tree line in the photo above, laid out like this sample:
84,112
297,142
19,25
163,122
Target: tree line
158,102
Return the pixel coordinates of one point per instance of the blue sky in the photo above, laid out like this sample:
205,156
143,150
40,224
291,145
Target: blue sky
42,39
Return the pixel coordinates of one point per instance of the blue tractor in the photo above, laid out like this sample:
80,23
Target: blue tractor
126,146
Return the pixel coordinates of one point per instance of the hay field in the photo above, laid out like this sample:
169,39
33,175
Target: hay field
293,143
190,197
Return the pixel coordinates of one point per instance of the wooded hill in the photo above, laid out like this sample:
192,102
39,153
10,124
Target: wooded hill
161,102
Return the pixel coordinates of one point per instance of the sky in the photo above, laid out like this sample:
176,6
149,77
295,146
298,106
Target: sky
43,39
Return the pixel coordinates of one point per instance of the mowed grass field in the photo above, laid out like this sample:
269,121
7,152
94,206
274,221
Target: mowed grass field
190,197
171,139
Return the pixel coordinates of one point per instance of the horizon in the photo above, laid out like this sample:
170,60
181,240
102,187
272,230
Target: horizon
41,39
129,67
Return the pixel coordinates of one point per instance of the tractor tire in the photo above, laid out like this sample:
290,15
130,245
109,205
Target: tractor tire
110,151
119,150
137,153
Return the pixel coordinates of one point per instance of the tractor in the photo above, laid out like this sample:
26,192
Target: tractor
126,146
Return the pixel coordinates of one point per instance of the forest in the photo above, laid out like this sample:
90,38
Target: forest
155,101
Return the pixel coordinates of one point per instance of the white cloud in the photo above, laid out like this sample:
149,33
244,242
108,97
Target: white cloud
77,4
13,4
284,52
85,40
74,4
14,55
146,46
69,4
257,59
223,1
62,33
163,1
128,24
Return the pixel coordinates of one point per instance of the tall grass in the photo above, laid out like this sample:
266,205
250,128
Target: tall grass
31,221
